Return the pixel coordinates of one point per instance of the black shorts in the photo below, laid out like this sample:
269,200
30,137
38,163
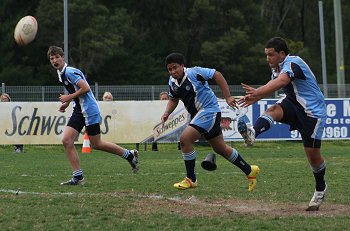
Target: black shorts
77,121
295,116
214,132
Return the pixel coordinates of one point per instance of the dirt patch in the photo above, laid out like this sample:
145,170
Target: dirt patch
196,207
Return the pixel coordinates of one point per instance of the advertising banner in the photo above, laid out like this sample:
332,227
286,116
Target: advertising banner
337,123
139,121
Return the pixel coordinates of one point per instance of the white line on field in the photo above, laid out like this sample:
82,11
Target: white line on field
192,199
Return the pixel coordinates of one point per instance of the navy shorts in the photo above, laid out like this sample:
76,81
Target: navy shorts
208,124
311,129
77,121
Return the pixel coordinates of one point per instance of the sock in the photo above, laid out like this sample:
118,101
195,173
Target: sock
128,156
78,174
190,164
262,124
319,174
237,160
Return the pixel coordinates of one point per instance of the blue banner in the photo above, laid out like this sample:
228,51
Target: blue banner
337,123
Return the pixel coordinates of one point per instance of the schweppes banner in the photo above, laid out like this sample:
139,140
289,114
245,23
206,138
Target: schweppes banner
42,123
122,122
139,121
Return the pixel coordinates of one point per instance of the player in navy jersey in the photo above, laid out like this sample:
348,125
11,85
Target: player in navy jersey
86,113
303,108
190,85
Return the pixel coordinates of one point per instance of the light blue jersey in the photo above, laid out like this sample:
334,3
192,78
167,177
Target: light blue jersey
194,90
85,104
198,98
303,88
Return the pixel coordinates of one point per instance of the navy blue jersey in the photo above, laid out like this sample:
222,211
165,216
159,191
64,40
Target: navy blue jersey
194,90
303,89
86,104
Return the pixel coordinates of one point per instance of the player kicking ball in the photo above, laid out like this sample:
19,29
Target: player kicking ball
190,85
303,108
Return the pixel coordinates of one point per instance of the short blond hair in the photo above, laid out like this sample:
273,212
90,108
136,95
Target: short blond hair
164,93
4,95
107,96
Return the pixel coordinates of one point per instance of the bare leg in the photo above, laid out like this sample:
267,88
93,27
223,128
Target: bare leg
69,137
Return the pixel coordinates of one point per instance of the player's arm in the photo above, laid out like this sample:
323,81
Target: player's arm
170,107
222,83
255,94
83,89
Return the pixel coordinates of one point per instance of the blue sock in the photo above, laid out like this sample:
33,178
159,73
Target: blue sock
262,124
190,164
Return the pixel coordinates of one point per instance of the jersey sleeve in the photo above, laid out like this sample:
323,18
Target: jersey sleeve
206,73
74,76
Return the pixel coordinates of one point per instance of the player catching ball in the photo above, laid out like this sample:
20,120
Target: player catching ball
191,86
303,108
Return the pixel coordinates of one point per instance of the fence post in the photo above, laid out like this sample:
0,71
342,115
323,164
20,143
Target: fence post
152,93
43,94
3,88
96,90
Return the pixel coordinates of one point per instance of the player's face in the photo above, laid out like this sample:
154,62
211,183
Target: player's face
57,62
176,70
273,57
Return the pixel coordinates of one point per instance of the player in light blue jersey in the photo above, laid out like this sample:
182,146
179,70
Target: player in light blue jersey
86,113
191,86
303,108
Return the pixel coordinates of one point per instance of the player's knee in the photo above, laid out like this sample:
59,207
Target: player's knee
275,111
67,142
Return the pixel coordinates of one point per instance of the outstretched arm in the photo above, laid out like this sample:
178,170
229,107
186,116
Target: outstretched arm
255,94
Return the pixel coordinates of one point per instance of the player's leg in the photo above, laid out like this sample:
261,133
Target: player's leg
69,136
311,130
187,138
318,166
219,146
97,143
262,124
71,132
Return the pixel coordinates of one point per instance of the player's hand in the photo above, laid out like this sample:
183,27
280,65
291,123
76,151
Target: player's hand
64,98
164,118
250,96
63,107
232,102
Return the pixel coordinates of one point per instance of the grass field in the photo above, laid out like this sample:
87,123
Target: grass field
113,198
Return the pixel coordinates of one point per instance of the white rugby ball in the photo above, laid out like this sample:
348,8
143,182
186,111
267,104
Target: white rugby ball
26,30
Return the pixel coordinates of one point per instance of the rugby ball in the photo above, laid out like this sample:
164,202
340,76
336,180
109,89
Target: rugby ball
26,30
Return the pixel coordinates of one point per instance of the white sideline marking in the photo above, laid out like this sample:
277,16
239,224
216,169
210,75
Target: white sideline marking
192,199
17,192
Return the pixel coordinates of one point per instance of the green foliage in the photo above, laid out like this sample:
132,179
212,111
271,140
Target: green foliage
125,42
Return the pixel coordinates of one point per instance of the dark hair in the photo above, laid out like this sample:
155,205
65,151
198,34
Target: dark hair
175,58
279,44
54,50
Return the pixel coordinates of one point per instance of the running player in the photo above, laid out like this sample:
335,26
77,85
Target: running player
191,86
86,113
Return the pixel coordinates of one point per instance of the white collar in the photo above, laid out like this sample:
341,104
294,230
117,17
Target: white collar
183,79
59,73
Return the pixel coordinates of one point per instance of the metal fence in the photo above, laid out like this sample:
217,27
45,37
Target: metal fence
127,92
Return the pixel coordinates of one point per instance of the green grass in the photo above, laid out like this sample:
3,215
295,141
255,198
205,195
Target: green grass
115,199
